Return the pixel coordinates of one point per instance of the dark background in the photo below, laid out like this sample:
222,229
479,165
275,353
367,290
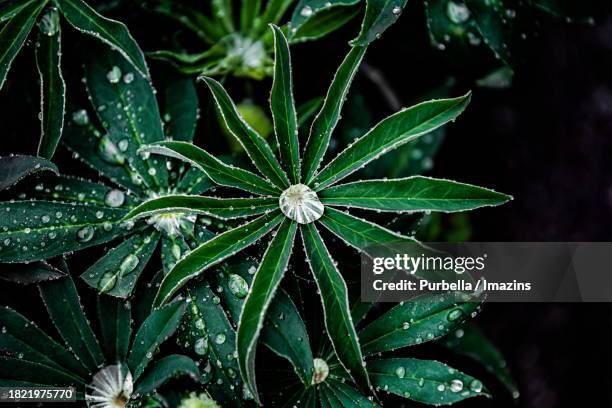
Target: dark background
547,140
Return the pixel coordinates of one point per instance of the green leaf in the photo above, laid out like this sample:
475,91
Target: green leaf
412,194
285,334
222,208
118,270
495,26
327,118
165,369
172,249
214,251
66,312
307,110
156,329
180,109
223,14
69,189
264,286
18,372
379,15
13,169
419,320
272,14
100,153
27,274
35,230
248,13
392,132
210,336
8,8
255,146
14,34
115,317
311,13
338,322
324,22
282,106
21,337
87,20
128,110
219,172
340,395
52,86
469,341
429,382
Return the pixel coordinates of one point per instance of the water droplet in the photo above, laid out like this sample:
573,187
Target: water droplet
237,285
458,13
454,315
441,387
128,264
220,338
476,386
456,385
80,117
85,234
400,372
109,152
301,204
114,75
306,11
201,346
128,78
49,24
107,282
114,198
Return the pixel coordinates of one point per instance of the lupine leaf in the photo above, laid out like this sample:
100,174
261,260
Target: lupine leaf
267,278
419,320
426,381
223,14
345,396
87,20
65,310
218,171
338,322
326,21
14,371
14,34
272,14
211,335
223,208
70,189
248,13
52,87
172,249
156,329
180,109
390,133
115,318
13,169
118,270
282,106
379,15
27,274
310,12
9,8
495,27
469,341
285,334
128,110
255,146
101,154
34,230
214,251
194,181
21,337
327,118
165,369
412,194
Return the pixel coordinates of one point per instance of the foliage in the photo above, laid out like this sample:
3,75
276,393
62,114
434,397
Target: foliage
286,205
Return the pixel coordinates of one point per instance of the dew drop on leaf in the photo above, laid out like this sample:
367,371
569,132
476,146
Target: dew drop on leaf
400,372
85,234
114,75
128,264
201,346
456,385
114,198
237,285
457,12
80,117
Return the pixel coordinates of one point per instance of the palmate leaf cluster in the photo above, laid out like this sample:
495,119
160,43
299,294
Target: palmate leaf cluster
43,20
278,177
238,41
212,291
